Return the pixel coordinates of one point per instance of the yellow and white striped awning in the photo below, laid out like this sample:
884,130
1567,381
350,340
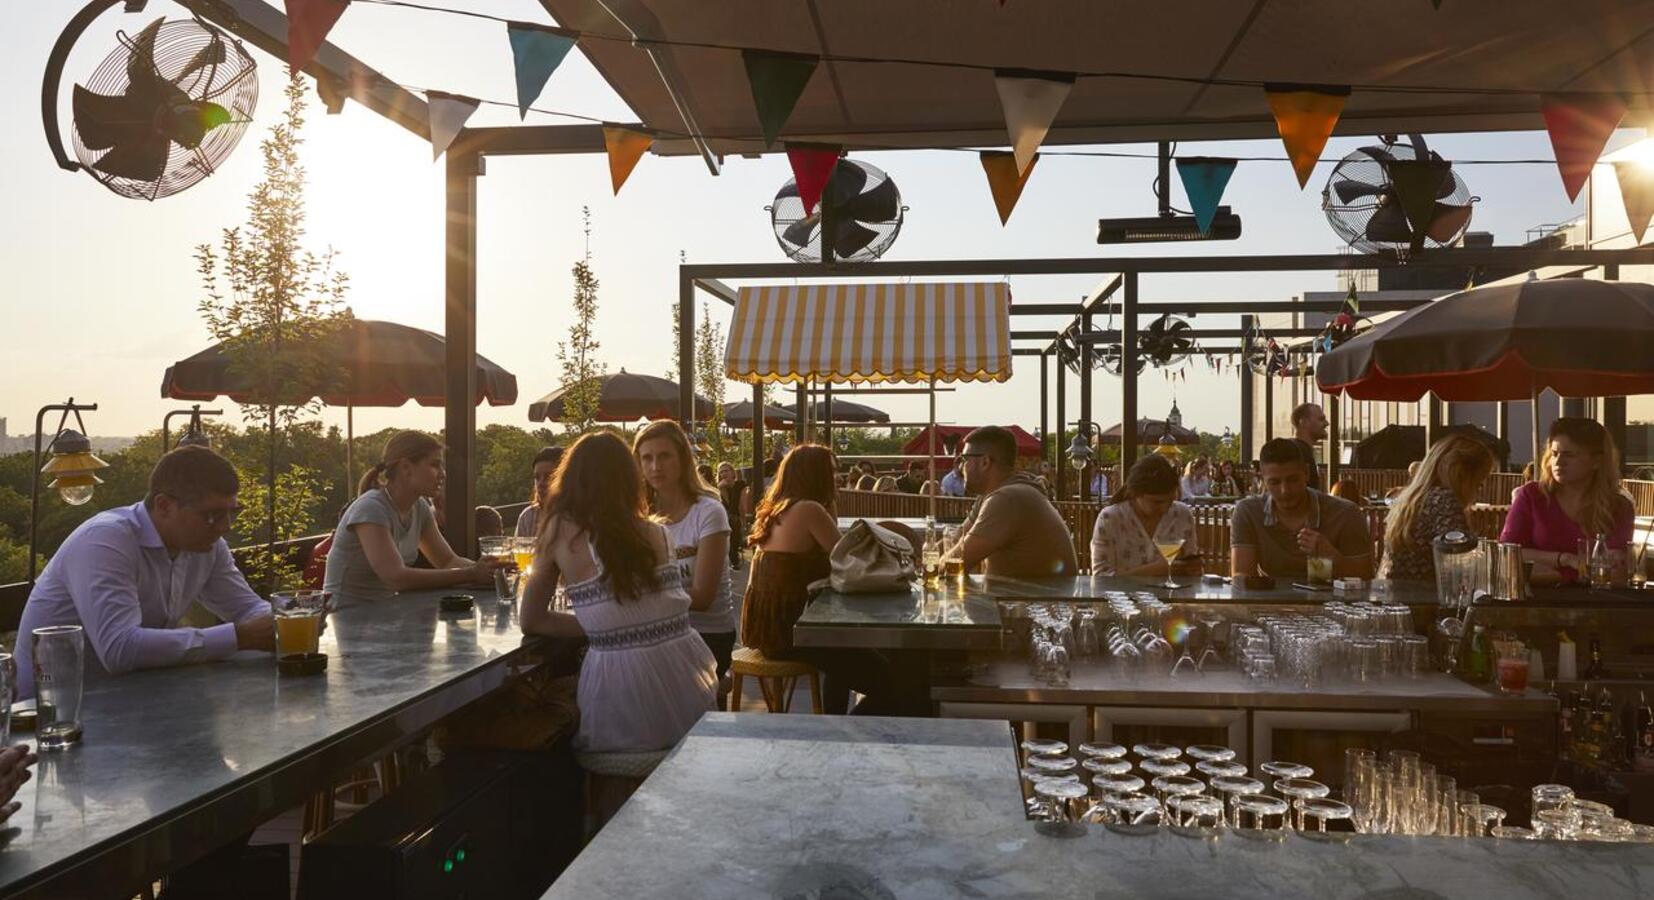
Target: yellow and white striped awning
871,332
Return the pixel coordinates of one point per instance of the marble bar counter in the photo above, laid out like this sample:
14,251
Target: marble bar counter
176,761
769,806
1092,684
965,616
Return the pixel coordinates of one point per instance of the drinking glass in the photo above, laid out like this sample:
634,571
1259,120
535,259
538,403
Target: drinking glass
1167,786
1463,825
59,668
1352,759
1104,785
1315,812
1162,767
1512,832
1257,812
298,621
522,553
1297,790
1103,751
1551,796
1156,751
1192,811
1512,671
1064,802
1096,765
1559,823
1320,570
1169,549
1204,752
1052,765
500,549
1042,747
1233,788
1213,768
1482,818
1133,809
1280,769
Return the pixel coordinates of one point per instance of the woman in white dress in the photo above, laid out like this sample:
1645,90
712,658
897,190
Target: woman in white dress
1145,512
647,676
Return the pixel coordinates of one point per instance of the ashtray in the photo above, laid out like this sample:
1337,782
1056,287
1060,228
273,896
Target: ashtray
1259,582
302,664
23,720
457,602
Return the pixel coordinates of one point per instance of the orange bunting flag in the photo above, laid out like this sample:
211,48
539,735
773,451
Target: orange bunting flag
813,166
1004,181
308,22
1637,191
1305,115
625,147
1579,125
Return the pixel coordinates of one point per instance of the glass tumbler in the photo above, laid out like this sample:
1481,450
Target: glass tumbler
1232,788
8,694
59,670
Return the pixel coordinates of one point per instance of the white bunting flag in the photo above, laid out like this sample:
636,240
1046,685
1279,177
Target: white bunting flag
448,115
1031,101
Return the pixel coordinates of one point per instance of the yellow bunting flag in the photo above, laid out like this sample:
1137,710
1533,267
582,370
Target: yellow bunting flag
1004,181
625,147
1305,116
1637,191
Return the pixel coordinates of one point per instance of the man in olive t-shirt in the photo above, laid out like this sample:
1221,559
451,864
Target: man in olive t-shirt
1013,529
1277,531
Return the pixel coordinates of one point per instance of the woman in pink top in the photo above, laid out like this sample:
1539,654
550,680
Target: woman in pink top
1578,496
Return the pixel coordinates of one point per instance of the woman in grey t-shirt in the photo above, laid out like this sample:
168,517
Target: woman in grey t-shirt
382,533
699,528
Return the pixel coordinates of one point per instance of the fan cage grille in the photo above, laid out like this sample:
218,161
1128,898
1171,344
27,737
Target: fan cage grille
1351,219
788,210
232,84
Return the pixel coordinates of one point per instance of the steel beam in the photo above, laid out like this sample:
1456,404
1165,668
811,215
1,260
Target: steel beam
686,352
1246,411
1085,399
1128,375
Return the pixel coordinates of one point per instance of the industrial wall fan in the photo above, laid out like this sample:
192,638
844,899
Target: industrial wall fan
161,112
861,206
1167,341
1113,362
1361,204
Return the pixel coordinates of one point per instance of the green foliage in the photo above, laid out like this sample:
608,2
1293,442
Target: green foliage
709,382
505,456
582,392
298,496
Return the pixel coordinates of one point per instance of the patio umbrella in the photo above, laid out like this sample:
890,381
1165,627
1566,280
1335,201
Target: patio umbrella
1578,337
624,397
843,411
1394,446
1150,431
378,364
739,415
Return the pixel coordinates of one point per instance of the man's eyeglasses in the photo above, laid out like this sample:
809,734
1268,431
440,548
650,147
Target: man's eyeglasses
220,516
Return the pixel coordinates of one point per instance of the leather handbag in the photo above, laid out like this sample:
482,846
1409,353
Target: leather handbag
872,559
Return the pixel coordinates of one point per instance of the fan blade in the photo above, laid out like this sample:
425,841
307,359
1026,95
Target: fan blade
139,160
1449,184
800,232
881,204
140,64
1447,222
211,55
847,181
104,121
1388,225
852,237
1378,153
1349,190
188,123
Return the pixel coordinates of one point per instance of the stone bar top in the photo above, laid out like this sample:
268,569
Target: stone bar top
177,760
849,808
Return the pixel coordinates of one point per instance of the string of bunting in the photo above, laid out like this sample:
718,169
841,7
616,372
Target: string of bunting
1578,124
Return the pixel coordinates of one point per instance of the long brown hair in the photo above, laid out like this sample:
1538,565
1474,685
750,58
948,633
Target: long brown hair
597,490
404,446
669,431
1605,494
805,473
1153,474
1457,463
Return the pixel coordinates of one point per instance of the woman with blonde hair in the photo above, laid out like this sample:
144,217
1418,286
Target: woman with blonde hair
1578,496
1433,503
390,522
698,525
884,485
1197,478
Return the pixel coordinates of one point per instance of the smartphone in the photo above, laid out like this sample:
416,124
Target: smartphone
1319,588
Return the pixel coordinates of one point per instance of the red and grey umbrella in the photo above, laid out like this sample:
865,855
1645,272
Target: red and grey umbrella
624,397
1152,431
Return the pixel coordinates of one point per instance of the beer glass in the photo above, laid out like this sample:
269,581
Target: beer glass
298,622
59,670
500,549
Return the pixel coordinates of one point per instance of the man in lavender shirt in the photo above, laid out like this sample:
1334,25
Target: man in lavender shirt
128,575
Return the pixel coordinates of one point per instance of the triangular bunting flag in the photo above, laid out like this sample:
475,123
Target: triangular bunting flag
1418,182
1204,178
1580,125
813,165
777,81
1637,191
308,22
1030,101
1004,181
536,51
448,113
1305,116
625,147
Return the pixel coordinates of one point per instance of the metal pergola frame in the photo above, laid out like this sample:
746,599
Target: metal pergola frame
340,75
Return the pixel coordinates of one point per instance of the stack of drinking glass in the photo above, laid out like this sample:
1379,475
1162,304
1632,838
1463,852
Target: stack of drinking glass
1126,634
1362,643
1192,789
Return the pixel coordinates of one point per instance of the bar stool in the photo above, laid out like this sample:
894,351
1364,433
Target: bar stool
776,679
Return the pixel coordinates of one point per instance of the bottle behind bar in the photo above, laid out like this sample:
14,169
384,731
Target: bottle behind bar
1593,668
1477,664
1602,574
1564,723
932,555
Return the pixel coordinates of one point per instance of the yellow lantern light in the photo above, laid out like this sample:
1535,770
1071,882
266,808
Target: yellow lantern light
73,467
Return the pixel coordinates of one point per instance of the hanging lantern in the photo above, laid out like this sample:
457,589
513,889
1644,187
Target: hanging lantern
1079,451
1168,447
1228,439
72,467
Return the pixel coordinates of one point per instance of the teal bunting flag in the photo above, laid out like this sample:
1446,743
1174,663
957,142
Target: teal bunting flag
1204,179
537,51
777,81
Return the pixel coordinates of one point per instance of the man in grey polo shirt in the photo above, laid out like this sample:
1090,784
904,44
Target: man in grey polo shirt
1278,531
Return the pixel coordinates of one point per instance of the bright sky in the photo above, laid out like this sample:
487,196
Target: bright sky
101,291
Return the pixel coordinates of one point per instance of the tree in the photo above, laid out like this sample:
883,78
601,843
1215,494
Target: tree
709,380
578,355
273,303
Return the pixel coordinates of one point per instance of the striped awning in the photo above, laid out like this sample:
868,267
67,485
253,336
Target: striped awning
871,332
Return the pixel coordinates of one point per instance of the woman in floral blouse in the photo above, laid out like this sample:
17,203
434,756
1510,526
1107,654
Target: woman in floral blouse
1432,504
1142,512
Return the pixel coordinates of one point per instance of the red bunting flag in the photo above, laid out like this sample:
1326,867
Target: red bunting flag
813,165
308,22
1579,125
1637,192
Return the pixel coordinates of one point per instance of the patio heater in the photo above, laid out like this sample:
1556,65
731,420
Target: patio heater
73,465
1167,225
